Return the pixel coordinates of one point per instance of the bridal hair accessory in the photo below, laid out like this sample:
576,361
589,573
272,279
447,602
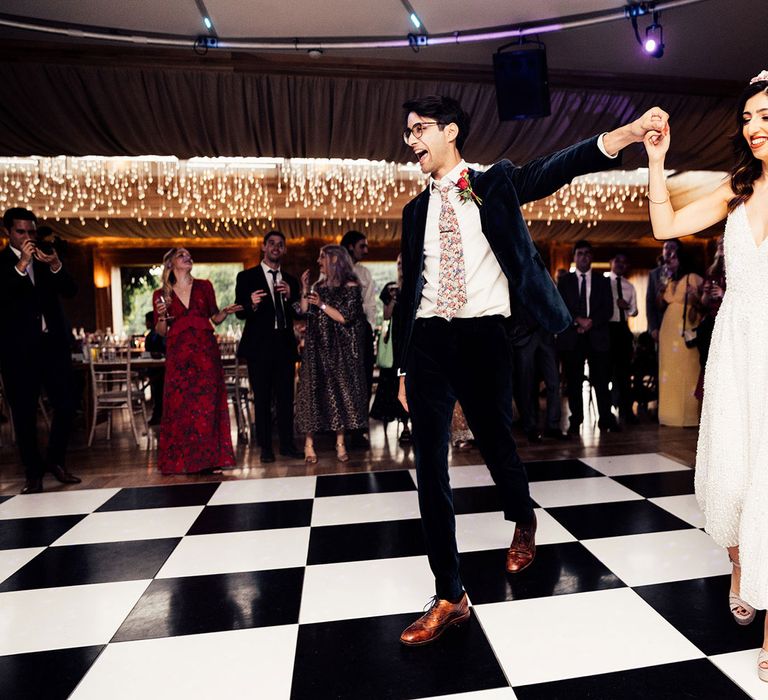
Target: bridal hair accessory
762,76
464,186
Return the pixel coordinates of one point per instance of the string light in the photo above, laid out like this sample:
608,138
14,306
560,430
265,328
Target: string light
239,191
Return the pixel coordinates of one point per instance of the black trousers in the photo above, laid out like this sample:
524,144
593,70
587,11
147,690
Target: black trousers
599,372
537,357
468,360
621,361
48,365
271,372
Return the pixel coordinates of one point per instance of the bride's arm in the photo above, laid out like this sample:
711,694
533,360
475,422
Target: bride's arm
696,216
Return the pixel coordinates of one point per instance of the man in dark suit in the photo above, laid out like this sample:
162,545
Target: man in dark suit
35,346
587,294
465,245
267,295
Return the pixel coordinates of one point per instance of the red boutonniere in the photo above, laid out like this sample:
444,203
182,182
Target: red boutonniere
464,186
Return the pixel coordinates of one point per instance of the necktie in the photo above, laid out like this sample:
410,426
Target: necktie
279,310
620,297
452,285
581,309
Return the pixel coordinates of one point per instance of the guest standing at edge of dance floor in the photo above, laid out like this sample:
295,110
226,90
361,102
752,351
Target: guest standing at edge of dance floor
464,243
732,453
194,431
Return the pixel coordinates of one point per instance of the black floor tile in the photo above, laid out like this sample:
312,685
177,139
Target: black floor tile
35,532
215,603
699,679
476,499
239,517
373,482
548,470
677,483
3,499
558,569
92,563
613,519
364,658
362,541
160,497
45,675
699,609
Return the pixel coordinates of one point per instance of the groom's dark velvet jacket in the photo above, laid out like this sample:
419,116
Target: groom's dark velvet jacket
503,188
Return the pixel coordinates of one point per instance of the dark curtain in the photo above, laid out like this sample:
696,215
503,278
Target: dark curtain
79,110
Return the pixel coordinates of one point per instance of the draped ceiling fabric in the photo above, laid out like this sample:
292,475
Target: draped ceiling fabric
76,109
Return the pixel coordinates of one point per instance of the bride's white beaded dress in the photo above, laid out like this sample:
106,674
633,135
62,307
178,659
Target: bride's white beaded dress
732,453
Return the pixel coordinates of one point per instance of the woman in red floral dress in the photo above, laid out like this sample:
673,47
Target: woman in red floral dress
194,431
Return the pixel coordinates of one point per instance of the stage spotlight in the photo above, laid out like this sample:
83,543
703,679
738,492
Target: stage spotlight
654,38
653,44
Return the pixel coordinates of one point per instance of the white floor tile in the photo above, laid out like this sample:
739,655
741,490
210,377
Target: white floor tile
576,492
546,639
39,505
11,560
494,694
71,616
619,465
365,589
470,475
260,490
229,552
125,525
684,507
741,668
365,508
240,664
659,557
481,531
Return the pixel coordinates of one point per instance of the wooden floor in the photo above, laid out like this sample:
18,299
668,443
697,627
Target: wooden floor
119,463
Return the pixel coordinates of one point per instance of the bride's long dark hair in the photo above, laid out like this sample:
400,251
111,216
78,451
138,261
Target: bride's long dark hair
747,168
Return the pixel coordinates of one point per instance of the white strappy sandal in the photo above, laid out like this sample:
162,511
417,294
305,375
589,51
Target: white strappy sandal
742,611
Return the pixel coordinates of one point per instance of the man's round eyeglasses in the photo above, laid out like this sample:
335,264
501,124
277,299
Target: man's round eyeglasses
417,130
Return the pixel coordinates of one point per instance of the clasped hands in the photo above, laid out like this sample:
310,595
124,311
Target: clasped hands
583,324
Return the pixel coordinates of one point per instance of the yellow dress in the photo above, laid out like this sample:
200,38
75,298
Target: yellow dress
678,365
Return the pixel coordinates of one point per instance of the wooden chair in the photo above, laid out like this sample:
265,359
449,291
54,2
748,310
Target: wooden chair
236,381
115,387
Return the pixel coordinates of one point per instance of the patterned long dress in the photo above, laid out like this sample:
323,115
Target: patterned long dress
194,430
333,393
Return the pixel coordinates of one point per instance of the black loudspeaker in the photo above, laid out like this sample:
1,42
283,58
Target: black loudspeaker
522,84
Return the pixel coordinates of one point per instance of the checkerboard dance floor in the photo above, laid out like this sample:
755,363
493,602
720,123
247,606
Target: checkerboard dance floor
299,588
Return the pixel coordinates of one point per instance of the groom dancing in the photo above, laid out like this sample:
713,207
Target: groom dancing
465,249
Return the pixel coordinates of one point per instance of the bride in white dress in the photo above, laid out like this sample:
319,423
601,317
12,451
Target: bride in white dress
732,453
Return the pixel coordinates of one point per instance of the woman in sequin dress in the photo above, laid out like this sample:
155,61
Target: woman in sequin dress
333,391
732,453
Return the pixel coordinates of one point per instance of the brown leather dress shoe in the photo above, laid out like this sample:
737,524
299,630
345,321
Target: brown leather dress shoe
441,615
523,548
60,474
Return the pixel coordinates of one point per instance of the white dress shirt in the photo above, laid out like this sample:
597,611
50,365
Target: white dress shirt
368,291
628,294
487,287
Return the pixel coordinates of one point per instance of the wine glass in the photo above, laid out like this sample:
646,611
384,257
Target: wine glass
312,309
167,318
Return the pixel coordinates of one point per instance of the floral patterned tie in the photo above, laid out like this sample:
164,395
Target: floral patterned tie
451,286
